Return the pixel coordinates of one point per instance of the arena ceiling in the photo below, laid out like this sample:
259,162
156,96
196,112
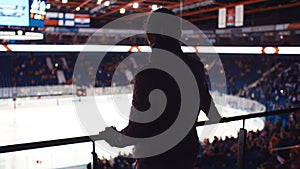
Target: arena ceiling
193,10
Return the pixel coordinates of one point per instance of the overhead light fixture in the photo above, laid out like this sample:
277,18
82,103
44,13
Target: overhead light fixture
122,10
48,6
106,3
270,50
154,7
64,1
99,2
135,5
77,9
20,32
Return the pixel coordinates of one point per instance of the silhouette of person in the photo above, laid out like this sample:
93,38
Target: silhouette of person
183,155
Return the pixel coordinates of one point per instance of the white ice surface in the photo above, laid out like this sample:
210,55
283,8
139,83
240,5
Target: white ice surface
50,119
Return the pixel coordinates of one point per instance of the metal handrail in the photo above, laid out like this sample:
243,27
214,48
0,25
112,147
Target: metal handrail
250,116
286,148
74,140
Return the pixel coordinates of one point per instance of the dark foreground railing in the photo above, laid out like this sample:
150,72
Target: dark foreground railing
93,138
250,116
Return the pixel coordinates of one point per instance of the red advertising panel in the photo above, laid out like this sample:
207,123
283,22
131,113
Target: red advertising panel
230,17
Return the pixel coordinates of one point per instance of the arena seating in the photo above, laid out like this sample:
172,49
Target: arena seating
243,74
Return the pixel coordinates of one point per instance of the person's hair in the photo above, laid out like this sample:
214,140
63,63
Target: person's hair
160,25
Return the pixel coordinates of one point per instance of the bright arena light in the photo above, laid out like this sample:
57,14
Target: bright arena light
270,50
48,6
20,32
106,3
154,7
64,1
122,10
99,2
78,8
135,5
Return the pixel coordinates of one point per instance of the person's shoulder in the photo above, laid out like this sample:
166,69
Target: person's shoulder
143,73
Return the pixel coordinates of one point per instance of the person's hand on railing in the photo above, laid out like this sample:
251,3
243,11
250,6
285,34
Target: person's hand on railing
113,137
109,134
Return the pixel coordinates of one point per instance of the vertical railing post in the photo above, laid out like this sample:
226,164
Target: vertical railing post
241,146
95,164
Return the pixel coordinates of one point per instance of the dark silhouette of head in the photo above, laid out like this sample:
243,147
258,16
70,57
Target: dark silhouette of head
163,23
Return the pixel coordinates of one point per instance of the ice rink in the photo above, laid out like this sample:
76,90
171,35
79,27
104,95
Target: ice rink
32,120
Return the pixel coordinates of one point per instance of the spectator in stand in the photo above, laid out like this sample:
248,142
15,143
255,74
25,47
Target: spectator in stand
182,155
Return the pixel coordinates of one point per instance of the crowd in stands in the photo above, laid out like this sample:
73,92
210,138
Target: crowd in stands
260,149
278,89
119,162
97,39
40,69
271,80
242,70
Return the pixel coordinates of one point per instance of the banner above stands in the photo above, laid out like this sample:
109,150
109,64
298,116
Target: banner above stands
67,19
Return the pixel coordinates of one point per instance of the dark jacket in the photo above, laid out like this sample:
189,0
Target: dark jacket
150,79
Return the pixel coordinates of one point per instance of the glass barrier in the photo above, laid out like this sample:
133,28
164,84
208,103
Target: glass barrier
67,156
